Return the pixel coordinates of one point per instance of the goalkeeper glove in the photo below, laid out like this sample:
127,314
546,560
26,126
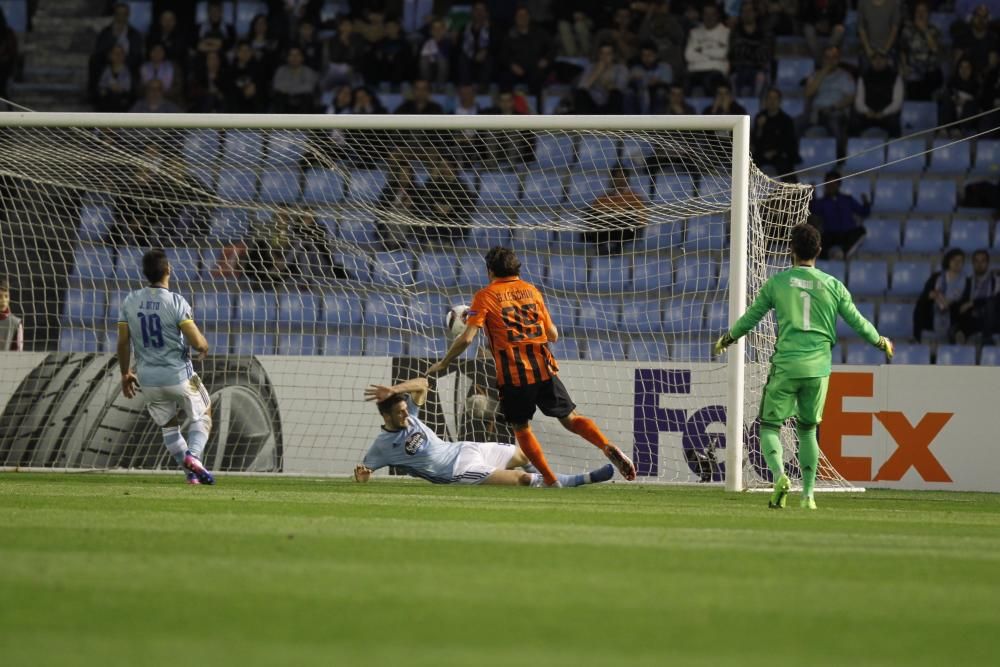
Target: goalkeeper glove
886,346
725,340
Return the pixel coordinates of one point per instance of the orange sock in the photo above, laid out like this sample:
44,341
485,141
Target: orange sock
529,445
587,429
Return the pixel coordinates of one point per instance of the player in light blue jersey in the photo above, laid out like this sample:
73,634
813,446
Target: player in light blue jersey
159,326
408,443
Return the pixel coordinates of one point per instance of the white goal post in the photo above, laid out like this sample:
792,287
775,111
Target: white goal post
648,278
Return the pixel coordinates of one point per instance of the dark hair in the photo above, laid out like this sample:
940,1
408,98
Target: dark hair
4,284
980,251
950,255
155,265
385,406
503,262
805,241
832,175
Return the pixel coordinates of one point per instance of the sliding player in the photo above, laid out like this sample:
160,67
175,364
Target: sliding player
408,443
158,323
519,329
807,302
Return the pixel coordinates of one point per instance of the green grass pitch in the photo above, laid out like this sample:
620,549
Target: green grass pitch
143,570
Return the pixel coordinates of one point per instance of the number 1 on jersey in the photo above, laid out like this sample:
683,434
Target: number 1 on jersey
806,308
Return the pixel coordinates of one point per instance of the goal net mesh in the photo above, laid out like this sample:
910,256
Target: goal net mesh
319,261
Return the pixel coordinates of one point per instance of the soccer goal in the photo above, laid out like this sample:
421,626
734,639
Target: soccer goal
323,253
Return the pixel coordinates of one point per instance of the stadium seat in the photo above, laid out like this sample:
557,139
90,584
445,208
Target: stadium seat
696,350
498,189
185,266
662,233
585,187
472,270
213,308
950,157
84,307
201,147
95,221
987,158
881,236
651,273
563,312
95,263
717,317
684,316
706,232
566,348
895,320
366,185
956,355
323,186
648,349
861,353
605,350
428,347
298,344
893,195
969,235
791,72
793,106
750,104
695,274
817,151
866,308
642,315
542,189
989,356
635,152
610,274
863,154
597,153
114,309
923,236
342,309
936,196
238,185
342,345
835,267
918,116
481,238
297,310
837,354
532,231
229,225
912,354
391,101
285,147
554,151
246,344
699,104
868,277
394,267
243,147
387,345
908,278
599,314
385,310
16,13
669,188
428,311
80,340
567,273
437,270
902,150
357,228
257,308
218,342
280,186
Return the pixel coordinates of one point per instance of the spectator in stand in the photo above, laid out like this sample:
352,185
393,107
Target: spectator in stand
209,84
920,50
436,54
661,27
774,142
158,67
614,217
347,54
8,53
310,256
505,149
879,98
978,304
990,87
294,85
215,34
751,46
676,104
445,202
782,16
576,29
173,39
120,33
115,87
724,103
829,94
365,101
960,99
265,45
420,100
396,200
602,84
620,35
11,327
309,44
528,54
477,45
937,309
247,89
373,27
391,59
342,102
287,15
879,22
649,82
466,104
822,24
154,101
974,40
839,214
707,52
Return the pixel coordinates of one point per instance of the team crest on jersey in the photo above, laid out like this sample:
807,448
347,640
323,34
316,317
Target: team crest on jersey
414,442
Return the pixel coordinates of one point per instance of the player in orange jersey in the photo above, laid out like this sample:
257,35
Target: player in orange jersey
519,330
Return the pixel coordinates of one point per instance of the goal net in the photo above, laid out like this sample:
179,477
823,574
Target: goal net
322,253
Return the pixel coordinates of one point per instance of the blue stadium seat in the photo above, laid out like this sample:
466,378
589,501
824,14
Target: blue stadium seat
699,104
185,265
684,316
695,274
597,153
791,72
669,188
651,273
837,354
793,106
635,152
213,308
861,353
228,12
903,150
323,186
429,310
881,236
140,14
239,185
835,267
257,308
437,270
297,309
864,153
868,277
114,309
280,186
357,228
229,224
471,270
498,189
817,151
987,158
611,274
866,308
697,350
342,309
566,348
366,185
717,317
542,189
893,195
751,104
706,232
201,147
895,320
246,344
285,147
936,196
385,310
950,159
482,237
84,307
243,147
95,263
857,186
585,187
648,349
342,345
956,355
16,12
918,116
642,315
908,278
531,231
599,314
80,340
394,267
989,356
662,233
429,347
567,273
942,21
94,222
218,342
969,235
298,344
388,345
563,311
554,151
605,350
923,236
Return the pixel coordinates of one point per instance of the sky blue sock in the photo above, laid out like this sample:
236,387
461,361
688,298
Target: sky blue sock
571,480
175,443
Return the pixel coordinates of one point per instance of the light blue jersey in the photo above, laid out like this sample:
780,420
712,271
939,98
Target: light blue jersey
416,449
154,316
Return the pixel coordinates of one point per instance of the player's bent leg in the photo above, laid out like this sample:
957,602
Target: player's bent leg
587,429
533,450
511,478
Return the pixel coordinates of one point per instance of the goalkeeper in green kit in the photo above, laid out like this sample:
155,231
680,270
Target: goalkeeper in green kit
806,302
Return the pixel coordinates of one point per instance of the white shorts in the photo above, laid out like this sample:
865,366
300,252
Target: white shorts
479,460
189,396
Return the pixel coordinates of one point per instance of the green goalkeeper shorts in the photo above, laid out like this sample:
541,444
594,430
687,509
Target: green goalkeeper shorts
786,397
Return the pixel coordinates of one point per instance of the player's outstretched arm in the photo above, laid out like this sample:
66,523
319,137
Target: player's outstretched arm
194,338
755,313
860,324
417,388
460,344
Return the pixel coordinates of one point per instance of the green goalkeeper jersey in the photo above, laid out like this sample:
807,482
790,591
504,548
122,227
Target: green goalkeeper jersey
806,302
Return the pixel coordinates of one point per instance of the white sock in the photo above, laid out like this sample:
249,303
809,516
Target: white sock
175,443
